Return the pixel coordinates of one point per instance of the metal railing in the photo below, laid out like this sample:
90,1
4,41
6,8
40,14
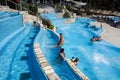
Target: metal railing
37,14
21,6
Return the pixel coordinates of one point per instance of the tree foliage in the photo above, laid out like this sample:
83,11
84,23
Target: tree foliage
48,23
32,9
58,8
66,15
68,7
113,5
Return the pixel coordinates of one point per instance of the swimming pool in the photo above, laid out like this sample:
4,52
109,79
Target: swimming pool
116,18
17,59
47,40
4,15
9,22
99,60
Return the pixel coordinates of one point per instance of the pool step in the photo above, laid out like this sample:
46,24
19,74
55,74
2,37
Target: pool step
28,45
31,37
17,69
25,76
24,58
51,75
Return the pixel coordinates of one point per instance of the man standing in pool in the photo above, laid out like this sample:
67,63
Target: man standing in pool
61,41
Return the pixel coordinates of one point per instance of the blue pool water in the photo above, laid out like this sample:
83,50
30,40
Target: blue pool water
47,40
116,18
9,22
98,61
4,15
17,59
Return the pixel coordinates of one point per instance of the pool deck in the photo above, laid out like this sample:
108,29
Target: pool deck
110,34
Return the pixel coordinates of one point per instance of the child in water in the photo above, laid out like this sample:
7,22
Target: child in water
62,53
75,60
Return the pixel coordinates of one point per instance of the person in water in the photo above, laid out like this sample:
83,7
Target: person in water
61,41
98,38
93,39
75,60
62,53
35,23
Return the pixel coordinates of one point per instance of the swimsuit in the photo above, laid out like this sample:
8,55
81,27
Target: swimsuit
61,45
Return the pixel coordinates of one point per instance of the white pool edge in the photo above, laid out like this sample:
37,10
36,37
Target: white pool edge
48,70
84,77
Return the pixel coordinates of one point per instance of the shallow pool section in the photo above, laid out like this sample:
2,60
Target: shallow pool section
9,22
98,60
17,59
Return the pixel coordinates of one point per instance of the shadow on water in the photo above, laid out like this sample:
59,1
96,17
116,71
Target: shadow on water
24,58
24,76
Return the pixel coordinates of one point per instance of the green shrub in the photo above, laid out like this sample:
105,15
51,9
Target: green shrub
66,15
46,22
88,12
68,7
58,8
26,5
51,27
49,23
32,9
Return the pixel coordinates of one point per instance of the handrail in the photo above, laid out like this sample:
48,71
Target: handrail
20,6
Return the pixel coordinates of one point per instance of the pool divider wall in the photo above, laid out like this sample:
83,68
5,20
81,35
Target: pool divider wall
51,75
76,70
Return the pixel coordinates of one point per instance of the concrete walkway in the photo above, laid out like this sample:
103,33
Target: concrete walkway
110,34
